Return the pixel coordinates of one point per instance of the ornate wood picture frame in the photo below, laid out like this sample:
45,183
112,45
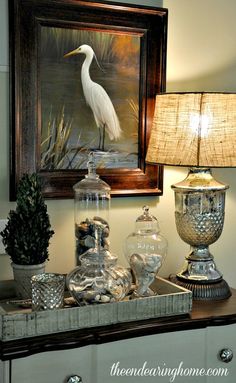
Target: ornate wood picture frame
52,126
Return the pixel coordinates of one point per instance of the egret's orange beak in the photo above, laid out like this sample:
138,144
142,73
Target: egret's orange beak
72,53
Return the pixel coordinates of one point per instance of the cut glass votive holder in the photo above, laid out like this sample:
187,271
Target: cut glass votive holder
47,291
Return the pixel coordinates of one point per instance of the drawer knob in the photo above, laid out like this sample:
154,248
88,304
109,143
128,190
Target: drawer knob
74,379
226,355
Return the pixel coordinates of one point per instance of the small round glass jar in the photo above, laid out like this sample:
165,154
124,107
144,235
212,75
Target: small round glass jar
99,279
91,208
145,250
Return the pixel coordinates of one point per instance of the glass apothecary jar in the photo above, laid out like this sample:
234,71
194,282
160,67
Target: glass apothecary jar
145,250
91,209
98,279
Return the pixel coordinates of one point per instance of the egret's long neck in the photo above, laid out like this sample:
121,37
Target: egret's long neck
85,77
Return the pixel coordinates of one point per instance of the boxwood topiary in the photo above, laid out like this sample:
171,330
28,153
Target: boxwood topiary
28,230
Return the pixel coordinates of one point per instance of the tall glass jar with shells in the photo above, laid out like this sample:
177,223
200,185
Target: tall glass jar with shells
91,206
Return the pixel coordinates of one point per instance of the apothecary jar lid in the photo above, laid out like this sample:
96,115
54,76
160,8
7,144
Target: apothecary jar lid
92,183
146,222
146,238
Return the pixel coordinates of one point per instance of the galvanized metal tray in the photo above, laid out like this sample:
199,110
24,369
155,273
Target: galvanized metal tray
17,321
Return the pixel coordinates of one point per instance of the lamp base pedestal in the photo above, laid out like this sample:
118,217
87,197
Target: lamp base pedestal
204,291
199,217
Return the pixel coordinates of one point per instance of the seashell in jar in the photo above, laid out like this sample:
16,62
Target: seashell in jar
105,299
153,262
97,298
89,241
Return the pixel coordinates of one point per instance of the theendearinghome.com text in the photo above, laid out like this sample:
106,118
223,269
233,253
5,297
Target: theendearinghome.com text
164,371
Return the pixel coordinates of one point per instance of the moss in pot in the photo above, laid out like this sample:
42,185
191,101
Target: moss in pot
27,234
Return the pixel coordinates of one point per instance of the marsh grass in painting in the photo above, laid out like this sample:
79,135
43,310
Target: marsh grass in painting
68,130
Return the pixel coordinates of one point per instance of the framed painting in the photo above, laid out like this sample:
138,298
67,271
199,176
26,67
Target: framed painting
83,78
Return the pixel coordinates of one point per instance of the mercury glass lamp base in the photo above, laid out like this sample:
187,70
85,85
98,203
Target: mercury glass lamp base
199,217
204,290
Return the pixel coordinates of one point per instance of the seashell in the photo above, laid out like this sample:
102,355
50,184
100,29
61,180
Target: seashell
105,298
116,291
89,295
101,220
82,228
89,241
153,262
106,232
105,243
137,262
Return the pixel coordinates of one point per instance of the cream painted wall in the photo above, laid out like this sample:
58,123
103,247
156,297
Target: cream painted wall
201,56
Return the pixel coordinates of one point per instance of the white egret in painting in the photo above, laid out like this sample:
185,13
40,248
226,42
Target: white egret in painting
97,98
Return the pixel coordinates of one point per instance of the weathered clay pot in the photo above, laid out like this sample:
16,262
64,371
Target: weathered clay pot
22,277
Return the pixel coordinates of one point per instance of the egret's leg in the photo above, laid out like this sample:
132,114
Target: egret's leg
100,137
103,137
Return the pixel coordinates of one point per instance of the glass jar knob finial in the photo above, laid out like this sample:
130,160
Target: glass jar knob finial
91,167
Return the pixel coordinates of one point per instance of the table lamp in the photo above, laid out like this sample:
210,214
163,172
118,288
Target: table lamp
197,130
